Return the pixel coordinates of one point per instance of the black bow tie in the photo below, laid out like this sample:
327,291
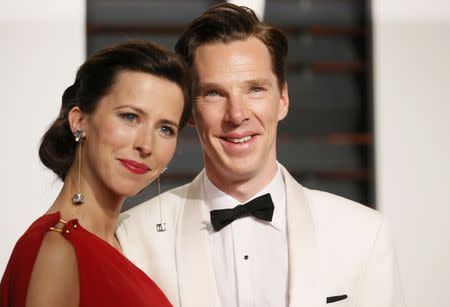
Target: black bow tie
260,207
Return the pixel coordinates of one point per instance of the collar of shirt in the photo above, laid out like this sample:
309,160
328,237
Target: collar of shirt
215,199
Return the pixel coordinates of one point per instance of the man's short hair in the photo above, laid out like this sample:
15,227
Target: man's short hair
226,23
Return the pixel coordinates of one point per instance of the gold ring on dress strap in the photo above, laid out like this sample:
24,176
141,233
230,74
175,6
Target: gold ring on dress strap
55,229
59,229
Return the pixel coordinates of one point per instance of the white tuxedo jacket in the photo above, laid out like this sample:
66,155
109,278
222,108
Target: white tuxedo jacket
336,247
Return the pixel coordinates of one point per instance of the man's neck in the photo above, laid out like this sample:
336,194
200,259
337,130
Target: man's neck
242,188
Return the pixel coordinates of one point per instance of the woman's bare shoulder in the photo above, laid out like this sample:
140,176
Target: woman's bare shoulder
54,279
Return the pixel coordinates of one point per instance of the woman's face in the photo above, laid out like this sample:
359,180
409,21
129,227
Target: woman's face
131,136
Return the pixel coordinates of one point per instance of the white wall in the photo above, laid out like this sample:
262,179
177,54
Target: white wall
412,134
43,42
257,6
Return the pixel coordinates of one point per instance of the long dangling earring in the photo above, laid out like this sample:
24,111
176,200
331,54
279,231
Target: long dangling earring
160,227
78,198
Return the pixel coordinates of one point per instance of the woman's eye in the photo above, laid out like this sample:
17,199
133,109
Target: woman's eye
129,117
167,130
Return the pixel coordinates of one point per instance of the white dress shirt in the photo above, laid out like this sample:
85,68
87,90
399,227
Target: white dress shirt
250,256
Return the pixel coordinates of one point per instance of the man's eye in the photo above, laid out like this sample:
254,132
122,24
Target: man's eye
212,94
167,130
256,89
129,117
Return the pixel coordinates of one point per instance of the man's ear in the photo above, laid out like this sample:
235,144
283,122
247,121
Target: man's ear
77,119
284,102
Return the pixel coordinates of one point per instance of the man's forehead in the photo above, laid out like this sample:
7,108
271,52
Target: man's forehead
238,57
216,51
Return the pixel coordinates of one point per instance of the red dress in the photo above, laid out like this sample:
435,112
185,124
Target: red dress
106,277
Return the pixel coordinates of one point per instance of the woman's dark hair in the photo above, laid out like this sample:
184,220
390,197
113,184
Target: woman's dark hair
226,23
94,80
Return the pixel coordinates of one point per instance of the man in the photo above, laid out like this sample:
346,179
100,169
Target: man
307,248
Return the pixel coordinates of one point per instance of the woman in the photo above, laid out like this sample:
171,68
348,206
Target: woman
115,133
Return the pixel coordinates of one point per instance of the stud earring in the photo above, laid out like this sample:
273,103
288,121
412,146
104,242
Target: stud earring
160,227
78,198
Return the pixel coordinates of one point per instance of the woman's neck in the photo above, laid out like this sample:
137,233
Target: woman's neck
97,214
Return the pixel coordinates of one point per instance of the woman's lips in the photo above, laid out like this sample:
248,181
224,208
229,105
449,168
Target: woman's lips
134,167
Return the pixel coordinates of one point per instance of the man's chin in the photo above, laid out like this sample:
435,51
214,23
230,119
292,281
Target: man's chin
240,171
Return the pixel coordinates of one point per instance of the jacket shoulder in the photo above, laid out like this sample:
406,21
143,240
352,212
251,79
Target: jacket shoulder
339,206
170,203
346,223
330,208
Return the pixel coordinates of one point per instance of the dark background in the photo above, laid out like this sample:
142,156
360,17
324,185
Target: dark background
326,140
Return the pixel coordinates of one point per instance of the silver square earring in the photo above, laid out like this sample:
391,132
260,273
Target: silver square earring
78,198
160,227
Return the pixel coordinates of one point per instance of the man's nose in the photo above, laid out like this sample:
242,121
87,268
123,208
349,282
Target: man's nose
237,111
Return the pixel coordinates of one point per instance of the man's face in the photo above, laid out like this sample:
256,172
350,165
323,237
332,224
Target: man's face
237,109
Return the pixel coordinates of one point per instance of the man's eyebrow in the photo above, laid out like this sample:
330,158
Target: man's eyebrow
207,85
259,82
251,82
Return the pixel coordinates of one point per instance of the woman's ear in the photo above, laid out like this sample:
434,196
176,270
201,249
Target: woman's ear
76,119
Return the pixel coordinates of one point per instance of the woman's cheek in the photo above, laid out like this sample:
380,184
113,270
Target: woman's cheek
166,151
118,135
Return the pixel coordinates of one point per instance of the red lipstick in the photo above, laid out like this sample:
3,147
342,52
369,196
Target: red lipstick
134,167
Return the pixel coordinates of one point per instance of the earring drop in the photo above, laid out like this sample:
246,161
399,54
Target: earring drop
160,227
78,134
78,198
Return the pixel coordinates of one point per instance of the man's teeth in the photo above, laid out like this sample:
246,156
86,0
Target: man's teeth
242,140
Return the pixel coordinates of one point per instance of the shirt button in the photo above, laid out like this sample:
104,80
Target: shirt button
246,257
